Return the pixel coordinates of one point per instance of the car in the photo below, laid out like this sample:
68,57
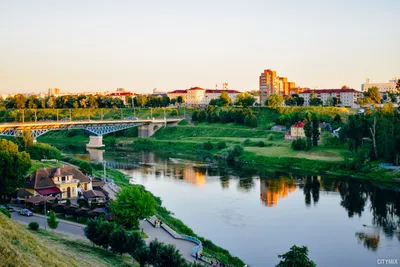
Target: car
25,212
10,209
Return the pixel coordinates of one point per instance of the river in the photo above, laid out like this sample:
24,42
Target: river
258,214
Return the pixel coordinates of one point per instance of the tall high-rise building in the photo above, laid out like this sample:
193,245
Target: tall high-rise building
270,84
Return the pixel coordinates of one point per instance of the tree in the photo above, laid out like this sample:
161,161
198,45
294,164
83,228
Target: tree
345,87
274,101
133,204
25,139
308,131
52,220
290,101
398,86
86,168
245,100
224,99
316,102
43,151
165,255
296,257
119,240
372,95
393,96
315,129
180,100
300,101
142,255
13,167
20,101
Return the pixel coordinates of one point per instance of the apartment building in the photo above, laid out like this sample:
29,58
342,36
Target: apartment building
347,97
383,87
270,84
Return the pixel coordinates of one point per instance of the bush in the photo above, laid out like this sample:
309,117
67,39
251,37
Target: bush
328,140
260,144
72,132
174,112
246,142
221,145
43,151
208,145
5,212
33,226
299,144
270,137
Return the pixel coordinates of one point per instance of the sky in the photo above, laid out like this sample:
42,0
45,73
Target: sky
96,45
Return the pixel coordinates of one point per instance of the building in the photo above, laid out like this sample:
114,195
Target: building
346,97
296,131
63,182
122,94
270,84
54,92
383,87
197,96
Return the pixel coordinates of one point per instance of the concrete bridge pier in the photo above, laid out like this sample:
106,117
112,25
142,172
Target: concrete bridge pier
148,130
95,142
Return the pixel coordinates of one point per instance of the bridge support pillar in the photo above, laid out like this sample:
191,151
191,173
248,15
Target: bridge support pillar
95,142
148,130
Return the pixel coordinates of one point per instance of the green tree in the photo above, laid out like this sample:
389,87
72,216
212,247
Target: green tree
224,99
13,167
5,212
43,151
25,139
180,100
142,255
20,101
86,168
52,220
398,86
372,95
296,257
315,129
119,240
274,101
316,102
132,204
345,87
393,96
290,101
245,100
300,101
165,255
308,131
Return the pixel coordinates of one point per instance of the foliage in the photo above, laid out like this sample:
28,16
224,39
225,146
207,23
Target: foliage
296,257
221,145
132,204
165,255
224,99
52,220
234,152
299,144
270,137
328,140
274,101
86,168
245,100
290,101
99,232
246,142
41,151
315,129
119,241
316,102
13,167
372,95
308,131
33,226
208,145
5,212
260,144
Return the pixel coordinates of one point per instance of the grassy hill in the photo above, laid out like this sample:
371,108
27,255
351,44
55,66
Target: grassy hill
21,247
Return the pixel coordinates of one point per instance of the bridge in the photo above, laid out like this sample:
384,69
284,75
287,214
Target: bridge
97,128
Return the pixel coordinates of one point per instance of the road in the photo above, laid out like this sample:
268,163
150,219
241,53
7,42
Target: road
64,227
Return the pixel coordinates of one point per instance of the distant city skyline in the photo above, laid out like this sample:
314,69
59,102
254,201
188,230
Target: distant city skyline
140,45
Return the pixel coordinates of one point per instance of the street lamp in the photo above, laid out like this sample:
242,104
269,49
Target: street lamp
45,212
104,170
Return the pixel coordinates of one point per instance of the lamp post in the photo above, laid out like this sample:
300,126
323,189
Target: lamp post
35,116
104,170
23,115
45,212
70,115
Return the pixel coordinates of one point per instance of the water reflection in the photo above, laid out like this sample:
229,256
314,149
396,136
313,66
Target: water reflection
356,197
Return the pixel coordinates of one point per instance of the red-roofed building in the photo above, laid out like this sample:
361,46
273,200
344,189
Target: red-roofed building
346,97
296,131
197,96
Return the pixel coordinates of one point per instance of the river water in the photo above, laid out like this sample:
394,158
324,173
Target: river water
258,214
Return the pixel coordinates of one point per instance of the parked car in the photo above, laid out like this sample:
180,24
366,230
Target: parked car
10,209
25,212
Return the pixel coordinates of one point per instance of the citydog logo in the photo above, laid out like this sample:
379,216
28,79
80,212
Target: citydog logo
387,261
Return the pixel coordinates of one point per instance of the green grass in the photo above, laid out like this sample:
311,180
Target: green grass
39,164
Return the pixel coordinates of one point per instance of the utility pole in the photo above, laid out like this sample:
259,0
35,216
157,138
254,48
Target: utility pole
104,170
35,116
151,113
45,212
70,115
89,114
184,111
23,116
57,114
133,106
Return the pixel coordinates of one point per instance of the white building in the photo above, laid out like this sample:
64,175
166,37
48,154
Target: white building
383,87
347,97
197,96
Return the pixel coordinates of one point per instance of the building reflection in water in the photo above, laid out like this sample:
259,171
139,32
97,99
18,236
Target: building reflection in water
273,190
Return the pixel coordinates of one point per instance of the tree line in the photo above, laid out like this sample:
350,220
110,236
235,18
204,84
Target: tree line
212,114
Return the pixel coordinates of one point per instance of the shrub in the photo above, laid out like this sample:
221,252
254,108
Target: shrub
221,145
299,144
174,112
43,151
33,226
246,142
5,212
270,137
260,144
72,132
208,145
327,139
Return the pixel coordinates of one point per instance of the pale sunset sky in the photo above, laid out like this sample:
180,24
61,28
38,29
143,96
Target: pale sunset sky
81,45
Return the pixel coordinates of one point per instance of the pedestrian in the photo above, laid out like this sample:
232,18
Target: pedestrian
197,256
160,223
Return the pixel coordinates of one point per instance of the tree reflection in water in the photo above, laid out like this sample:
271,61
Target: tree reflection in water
370,241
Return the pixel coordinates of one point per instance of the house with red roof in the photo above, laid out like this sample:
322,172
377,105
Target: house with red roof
197,96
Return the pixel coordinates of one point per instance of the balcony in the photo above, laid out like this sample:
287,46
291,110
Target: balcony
73,181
